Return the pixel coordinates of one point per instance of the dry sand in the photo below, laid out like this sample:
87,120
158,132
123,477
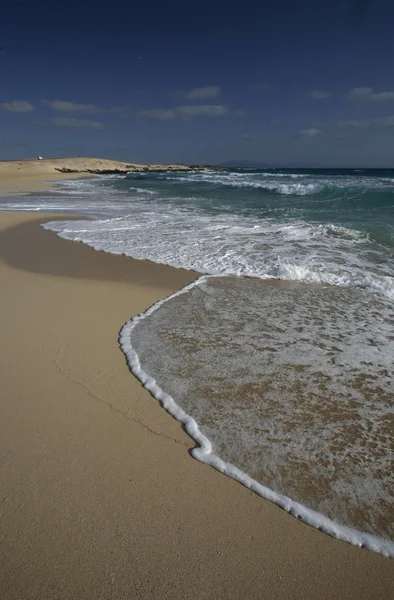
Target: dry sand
21,176
100,498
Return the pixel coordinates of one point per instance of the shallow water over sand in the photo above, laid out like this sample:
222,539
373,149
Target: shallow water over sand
292,383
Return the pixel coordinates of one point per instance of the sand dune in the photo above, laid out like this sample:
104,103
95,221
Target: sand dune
19,176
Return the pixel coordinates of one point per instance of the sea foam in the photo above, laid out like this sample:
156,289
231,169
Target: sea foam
227,244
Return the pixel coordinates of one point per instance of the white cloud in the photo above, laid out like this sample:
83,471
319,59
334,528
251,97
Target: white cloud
368,94
77,123
123,111
385,121
65,106
21,106
186,112
207,110
354,123
312,132
203,93
320,94
378,122
74,107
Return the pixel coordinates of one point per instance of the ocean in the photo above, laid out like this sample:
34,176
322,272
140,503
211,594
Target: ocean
279,359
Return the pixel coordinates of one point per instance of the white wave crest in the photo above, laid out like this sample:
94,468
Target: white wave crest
231,245
243,180
143,191
146,225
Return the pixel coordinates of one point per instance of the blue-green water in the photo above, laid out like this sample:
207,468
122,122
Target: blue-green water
297,224
334,227
355,199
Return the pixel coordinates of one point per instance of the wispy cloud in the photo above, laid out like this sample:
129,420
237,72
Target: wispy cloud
123,111
204,93
311,132
186,112
72,123
364,124
73,107
21,106
249,136
354,123
369,95
320,94
64,106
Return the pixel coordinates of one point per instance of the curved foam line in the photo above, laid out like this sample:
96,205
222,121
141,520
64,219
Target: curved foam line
204,452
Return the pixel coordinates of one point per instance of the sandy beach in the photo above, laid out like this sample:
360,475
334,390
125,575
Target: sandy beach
100,496
23,176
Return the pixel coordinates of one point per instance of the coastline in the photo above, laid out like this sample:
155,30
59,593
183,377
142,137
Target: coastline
98,480
21,186
30,175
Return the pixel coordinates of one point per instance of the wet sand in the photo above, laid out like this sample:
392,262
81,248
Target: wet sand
100,496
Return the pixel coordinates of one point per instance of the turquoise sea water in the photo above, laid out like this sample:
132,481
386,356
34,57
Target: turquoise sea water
356,199
284,355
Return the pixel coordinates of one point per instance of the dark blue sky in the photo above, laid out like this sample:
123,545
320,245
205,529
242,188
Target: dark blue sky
282,83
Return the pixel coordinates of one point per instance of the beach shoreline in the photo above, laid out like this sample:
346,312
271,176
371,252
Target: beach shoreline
24,176
98,481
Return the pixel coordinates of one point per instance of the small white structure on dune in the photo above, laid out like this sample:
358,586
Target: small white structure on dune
39,157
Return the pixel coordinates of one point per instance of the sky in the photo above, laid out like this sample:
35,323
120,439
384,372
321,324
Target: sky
279,83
